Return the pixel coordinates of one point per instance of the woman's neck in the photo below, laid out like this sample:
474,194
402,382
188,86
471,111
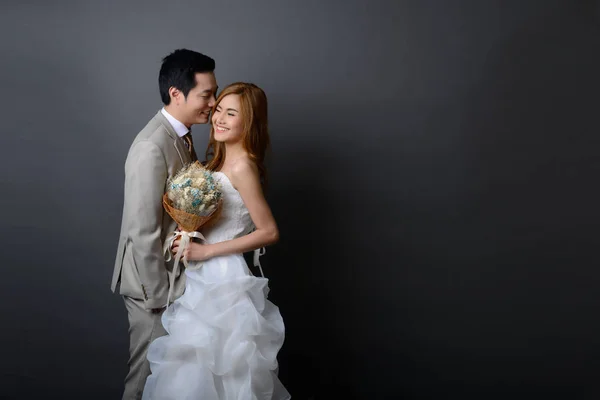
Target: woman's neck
233,152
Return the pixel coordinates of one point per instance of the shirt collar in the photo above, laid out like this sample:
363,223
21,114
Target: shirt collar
180,128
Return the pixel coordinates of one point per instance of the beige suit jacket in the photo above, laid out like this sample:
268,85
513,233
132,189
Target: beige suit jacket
156,154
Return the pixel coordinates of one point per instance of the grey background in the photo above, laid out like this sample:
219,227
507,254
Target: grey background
434,175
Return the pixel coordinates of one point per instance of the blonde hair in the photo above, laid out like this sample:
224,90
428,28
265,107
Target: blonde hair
255,136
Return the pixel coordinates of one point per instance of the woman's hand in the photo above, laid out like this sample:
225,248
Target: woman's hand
194,251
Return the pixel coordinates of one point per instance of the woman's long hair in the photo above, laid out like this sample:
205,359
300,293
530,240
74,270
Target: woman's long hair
255,136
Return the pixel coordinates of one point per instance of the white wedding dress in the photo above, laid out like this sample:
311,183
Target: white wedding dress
223,333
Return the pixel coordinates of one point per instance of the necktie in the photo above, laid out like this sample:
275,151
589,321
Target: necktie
190,146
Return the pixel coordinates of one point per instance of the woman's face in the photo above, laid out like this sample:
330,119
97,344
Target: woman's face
227,120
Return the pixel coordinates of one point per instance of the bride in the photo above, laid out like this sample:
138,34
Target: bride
223,333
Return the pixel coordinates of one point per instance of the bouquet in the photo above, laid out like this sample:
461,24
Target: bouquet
193,197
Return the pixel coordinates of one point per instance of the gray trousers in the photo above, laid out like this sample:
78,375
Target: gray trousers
144,327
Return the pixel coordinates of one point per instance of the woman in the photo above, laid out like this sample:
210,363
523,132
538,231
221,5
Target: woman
224,334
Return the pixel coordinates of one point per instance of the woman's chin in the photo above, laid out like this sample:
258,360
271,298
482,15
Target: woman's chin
224,138
218,137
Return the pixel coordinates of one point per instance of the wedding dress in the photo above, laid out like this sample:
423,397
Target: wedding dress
223,333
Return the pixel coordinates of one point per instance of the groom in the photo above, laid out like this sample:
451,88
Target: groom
187,88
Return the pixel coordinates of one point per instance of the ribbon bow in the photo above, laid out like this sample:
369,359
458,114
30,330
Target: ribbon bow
257,254
186,238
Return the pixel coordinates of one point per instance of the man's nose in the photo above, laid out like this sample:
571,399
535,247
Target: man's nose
211,102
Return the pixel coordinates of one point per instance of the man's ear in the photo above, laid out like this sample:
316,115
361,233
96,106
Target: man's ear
175,95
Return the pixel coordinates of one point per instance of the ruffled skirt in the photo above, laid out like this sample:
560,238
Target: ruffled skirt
223,338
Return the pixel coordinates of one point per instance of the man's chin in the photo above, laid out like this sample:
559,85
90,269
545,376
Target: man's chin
203,119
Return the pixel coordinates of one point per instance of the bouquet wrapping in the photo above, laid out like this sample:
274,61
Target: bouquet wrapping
193,198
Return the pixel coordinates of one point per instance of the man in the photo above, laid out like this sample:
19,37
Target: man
187,88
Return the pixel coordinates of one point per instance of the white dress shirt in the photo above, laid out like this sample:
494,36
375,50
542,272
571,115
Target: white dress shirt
180,128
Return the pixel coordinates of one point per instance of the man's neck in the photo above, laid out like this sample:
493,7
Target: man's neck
175,114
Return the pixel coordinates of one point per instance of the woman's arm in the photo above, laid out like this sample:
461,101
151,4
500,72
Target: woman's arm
244,177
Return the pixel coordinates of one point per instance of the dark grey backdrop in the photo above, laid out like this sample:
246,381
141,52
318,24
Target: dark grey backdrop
434,175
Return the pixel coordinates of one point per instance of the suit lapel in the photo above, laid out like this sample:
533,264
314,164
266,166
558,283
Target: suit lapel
184,154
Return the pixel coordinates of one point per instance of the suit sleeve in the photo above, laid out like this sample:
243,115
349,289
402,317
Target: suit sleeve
145,177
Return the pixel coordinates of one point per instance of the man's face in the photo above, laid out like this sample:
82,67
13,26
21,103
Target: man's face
195,108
